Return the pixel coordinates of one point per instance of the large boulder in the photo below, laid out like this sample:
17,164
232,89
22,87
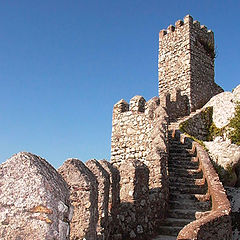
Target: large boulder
226,157
224,106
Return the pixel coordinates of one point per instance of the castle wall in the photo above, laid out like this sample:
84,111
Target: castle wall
140,133
186,62
130,131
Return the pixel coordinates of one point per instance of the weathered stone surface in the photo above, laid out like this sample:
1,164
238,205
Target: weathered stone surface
134,196
34,200
103,179
221,113
83,188
227,159
234,198
114,197
236,94
142,136
199,124
224,106
131,132
137,104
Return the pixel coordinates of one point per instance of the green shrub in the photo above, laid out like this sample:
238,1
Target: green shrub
235,126
213,131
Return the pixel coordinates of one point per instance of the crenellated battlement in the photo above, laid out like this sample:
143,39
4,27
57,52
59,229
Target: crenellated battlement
120,107
137,105
181,25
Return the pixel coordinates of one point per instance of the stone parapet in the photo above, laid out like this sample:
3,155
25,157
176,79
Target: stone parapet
134,196
131,129
83,187
114,198
142,135
103,179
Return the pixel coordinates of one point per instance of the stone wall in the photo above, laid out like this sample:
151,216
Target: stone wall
139,132
176,104
131,129
186,62
199,124
38,202
134,196
95,200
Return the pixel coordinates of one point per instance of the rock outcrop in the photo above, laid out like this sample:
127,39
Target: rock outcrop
34,200
227,160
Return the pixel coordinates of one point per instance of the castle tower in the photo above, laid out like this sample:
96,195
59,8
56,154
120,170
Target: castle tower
186,62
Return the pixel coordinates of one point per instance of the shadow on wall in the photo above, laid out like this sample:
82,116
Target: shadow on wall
177,105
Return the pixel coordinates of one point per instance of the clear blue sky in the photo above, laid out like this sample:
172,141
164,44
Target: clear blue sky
65,63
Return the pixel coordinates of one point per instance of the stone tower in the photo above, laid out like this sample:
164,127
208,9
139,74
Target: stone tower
186,62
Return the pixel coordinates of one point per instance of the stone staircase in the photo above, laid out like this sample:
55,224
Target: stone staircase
187,190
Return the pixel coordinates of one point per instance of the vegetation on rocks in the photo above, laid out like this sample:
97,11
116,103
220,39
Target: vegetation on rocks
235,126
214,131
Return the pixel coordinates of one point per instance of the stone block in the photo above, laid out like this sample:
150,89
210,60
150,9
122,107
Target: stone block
120,107
83,188
134,196
103,179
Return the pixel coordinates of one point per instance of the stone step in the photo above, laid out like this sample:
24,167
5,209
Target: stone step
175,143
175,196
184,172
179,145
169,230
181,154
187,188
190,161
183,179
164,237
180,150
191,190
190,204
182,214
177,222
188,185
181,158
186,165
